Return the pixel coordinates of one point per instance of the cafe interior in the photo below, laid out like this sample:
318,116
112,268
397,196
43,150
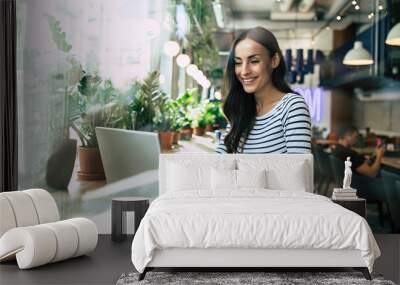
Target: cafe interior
95,63
93,78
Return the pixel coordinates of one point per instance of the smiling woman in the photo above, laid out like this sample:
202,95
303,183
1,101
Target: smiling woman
264,114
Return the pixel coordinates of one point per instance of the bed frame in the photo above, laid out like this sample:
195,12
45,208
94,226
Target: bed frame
242,258
256,258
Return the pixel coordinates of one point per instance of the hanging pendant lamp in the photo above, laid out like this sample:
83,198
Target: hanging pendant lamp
358,56
393,38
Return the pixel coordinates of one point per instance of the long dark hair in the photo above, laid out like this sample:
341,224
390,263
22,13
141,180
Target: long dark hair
239,106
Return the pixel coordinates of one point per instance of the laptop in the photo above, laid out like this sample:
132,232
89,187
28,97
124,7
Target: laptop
125,153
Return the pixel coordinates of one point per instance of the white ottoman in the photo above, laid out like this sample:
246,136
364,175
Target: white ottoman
31,233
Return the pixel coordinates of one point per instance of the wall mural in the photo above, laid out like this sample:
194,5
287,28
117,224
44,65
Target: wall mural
82,64
63,47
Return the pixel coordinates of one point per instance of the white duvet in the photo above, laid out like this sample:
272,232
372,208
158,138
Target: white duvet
256,218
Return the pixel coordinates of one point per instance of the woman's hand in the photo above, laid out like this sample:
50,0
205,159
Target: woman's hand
379,152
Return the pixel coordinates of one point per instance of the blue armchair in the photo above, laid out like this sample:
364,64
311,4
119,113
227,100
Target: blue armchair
391,182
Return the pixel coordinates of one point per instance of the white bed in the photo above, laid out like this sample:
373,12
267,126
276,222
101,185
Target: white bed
225,226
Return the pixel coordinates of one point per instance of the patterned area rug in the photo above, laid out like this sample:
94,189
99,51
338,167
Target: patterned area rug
242,278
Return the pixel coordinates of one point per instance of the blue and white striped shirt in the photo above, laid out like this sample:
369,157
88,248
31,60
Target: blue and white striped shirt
284,129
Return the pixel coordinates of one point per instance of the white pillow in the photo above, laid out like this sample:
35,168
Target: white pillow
279,179
282,174
251,178
223,179
183,178
231,180
194,174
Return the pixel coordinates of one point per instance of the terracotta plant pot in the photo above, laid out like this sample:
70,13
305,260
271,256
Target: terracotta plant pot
176,137
166,139
186,134
199,131
91,166
209,128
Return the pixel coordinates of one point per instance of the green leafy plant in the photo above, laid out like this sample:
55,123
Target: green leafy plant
100,105
144,105
129,98
209,118
177,120
214,113
207,113
58,34
164,116
199,122
66,78
199,115
184,106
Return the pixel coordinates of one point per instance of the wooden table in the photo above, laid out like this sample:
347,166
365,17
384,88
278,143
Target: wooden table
206,143
392,162
326,142
364,150
388,161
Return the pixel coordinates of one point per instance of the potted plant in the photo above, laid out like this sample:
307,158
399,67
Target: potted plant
186,130
209,117
199,125
164,121
184,104
61,161
152,110
144,104
214,116
91,167
99,107
199,115
177,121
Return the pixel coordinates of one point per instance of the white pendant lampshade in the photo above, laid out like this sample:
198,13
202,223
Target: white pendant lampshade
171,48
183,60
191,69
358,56
207,84
197,74
393,38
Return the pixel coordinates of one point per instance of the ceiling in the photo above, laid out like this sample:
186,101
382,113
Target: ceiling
282,14
305,17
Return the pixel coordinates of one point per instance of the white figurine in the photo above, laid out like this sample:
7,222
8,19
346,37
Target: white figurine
347,174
